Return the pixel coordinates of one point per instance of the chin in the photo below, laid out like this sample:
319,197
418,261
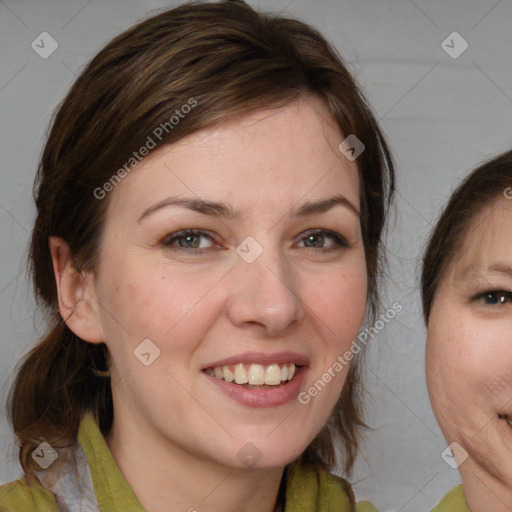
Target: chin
262,454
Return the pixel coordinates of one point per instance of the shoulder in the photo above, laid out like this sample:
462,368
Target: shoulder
346,488
18,496
365,506
454,501
310,487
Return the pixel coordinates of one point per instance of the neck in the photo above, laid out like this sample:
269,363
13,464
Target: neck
483,491
164,476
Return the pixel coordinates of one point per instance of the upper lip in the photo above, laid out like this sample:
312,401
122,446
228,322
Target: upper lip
261,358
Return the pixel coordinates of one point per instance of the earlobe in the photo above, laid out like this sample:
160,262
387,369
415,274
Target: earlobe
77,302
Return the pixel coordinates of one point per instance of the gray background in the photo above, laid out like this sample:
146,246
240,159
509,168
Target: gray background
442,116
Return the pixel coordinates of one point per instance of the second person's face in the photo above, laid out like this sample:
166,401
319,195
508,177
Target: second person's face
469,346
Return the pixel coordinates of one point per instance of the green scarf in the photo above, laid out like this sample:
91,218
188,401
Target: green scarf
454,501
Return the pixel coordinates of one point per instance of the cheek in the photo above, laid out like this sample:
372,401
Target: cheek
446,375
491,354
338,304
351,295
469,359
498,387
156,302
451,357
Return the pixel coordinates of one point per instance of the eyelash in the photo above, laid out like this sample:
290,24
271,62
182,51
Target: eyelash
495,295
340,241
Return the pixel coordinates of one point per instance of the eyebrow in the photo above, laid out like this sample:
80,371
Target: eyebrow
497,268
219,209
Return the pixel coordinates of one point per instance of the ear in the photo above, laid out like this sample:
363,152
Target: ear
77,298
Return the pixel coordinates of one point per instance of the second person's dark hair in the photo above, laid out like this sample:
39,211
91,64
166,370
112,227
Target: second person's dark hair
483,185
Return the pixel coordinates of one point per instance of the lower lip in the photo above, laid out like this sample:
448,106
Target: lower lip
271,397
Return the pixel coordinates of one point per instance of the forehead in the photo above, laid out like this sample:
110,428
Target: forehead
270,157
487,241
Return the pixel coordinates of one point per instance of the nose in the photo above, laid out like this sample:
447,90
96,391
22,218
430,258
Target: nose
265,293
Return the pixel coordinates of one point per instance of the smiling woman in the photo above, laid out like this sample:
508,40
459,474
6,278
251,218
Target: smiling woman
467,304
202,267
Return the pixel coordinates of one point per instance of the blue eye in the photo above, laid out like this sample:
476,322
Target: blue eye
188,240
495,297
313,234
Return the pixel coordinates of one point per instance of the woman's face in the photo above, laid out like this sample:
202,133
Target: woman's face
251,292
469,346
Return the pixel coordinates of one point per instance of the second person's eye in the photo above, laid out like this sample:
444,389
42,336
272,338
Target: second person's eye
495,297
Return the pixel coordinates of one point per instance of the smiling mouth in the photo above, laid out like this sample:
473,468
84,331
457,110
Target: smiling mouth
255,375
505,418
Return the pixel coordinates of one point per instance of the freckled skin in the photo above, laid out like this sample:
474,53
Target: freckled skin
469,358
171,424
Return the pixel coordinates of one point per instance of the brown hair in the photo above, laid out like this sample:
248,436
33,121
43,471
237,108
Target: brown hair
228,60
476,191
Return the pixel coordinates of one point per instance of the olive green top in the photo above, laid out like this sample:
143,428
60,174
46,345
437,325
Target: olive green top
454,501
308,489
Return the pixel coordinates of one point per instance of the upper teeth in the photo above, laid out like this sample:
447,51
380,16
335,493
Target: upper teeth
254,374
